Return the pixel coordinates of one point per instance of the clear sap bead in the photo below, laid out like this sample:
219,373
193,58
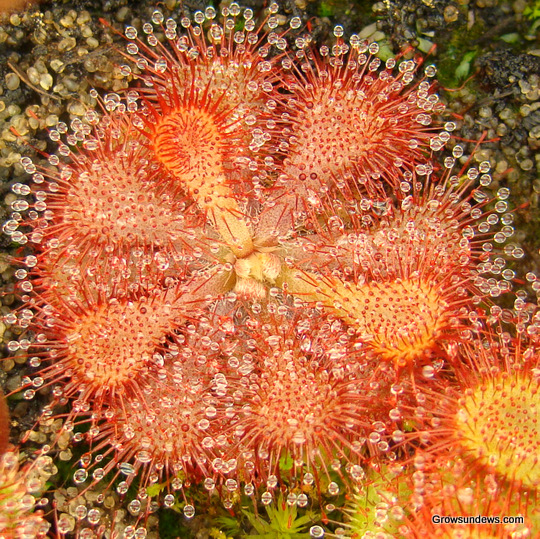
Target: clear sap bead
93,516
316,532
272,481
80,512
134,507
126,468
231,485
430,71
157,17
295,23
333,488
131,32
80,476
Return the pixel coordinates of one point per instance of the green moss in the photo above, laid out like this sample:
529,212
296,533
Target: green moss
172,525
284,522
379,507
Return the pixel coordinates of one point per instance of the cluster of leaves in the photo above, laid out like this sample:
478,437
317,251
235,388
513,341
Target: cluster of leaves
251,275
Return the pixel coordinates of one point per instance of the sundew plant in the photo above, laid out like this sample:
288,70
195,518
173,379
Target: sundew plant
259,288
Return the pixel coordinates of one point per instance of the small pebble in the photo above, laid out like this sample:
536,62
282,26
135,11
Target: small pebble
33,75
526,164
15,20
65,455
46,81
8,364
12,81
57,65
